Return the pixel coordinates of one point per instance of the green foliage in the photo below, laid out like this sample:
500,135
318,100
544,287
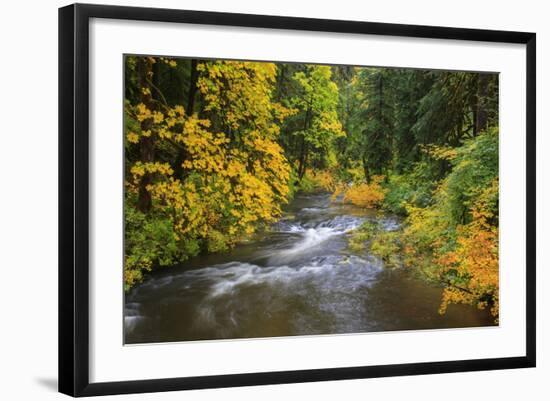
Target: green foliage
412,188
307,184
149,242
377,114
354,174
400,192
200,183
474,168
359,237
387,246
316,123
214,149
216,241
449,111
444,239
318,102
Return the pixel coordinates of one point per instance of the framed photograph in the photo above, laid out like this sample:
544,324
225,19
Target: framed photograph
250,199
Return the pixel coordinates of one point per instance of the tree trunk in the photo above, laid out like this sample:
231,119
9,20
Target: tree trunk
304,147
481,112
281,71
380,135
302,165
366,170
189,110
192,87
146,149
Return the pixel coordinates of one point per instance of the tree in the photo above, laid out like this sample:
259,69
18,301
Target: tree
317,105
409,87
375,137
202,180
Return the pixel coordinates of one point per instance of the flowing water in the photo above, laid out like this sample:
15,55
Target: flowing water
297,279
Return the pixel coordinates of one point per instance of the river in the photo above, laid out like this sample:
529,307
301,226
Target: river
297,279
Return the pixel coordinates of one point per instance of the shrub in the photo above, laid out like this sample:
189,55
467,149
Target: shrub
325,180
399,193
216,241
151,241
474,168
387,246
455,238
471,269
366,195
307,183
358,239
413,188
322,180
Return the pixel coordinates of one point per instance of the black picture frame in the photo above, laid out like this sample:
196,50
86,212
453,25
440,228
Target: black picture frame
74,201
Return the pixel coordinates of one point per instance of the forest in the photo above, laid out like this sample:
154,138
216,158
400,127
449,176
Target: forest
216,149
